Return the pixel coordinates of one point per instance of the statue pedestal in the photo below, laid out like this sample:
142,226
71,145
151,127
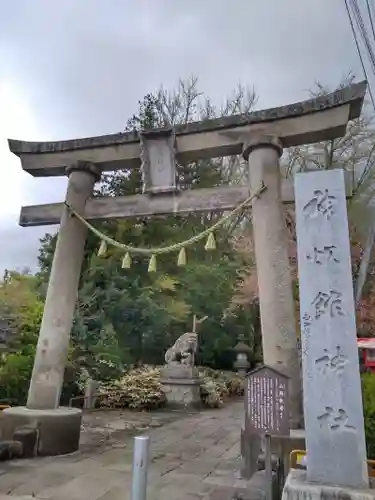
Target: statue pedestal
181,385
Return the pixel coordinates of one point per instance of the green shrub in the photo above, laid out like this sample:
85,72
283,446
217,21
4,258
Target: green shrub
140,389
213,392
218,385
20,303
236,385
15,373
368,395
16,367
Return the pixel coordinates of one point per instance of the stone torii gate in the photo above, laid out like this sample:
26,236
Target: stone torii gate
260,137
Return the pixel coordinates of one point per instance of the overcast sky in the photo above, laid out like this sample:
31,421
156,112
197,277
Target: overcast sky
76,68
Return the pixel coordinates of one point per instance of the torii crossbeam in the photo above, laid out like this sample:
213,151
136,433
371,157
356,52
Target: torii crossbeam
260,137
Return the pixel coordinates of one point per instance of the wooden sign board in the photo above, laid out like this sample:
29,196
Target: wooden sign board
267,402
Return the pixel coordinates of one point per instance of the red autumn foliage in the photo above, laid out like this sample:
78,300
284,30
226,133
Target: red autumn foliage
366,309
246,292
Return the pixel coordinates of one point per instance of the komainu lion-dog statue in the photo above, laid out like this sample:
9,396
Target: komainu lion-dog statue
184,349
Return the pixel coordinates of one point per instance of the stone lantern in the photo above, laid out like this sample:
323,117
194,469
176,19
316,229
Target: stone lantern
242,351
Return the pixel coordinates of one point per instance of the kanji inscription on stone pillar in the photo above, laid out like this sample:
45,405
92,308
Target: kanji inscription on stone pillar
335,438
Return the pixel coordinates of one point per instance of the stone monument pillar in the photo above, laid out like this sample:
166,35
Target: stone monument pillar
179,377
335,437
59,428
277,308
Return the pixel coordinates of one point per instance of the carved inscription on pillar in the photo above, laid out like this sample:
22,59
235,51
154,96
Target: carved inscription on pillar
332,361
322,203
332,391
323,254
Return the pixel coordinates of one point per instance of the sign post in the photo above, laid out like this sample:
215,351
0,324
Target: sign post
267,411
268,466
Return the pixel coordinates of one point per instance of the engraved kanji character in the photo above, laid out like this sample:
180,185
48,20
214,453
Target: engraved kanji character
328,302
333,362
322,203
325,253
335,419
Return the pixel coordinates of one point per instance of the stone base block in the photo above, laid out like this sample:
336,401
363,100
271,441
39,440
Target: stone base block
250,446
58,430
284,445
179,371
182,393
10,449
297,487
295,441
281,446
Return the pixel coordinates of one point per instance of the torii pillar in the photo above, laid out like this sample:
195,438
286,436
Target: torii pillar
277,306
57,428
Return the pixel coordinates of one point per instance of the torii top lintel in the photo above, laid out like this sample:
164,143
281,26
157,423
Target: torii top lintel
321,118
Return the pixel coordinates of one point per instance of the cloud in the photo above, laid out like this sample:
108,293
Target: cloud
19,247
78,68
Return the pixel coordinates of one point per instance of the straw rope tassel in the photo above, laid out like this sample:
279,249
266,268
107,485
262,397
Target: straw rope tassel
181,261
102,249
152,264
126,261
211,243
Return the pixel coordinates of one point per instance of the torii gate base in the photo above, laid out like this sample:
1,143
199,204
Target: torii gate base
260,137
54,432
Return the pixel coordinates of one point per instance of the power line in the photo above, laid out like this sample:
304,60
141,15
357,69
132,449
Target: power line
359,52
365,261
370,15
363,31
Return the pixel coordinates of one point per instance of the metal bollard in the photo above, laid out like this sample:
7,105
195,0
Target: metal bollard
141,459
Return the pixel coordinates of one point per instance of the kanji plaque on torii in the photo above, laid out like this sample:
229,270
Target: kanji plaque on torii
267,403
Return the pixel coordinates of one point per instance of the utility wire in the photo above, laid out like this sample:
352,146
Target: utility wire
365,261
359,52
370,15
363,31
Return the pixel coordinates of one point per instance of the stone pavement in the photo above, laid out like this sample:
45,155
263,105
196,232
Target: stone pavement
194,457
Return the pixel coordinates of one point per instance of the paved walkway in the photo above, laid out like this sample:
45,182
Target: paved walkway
195,457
